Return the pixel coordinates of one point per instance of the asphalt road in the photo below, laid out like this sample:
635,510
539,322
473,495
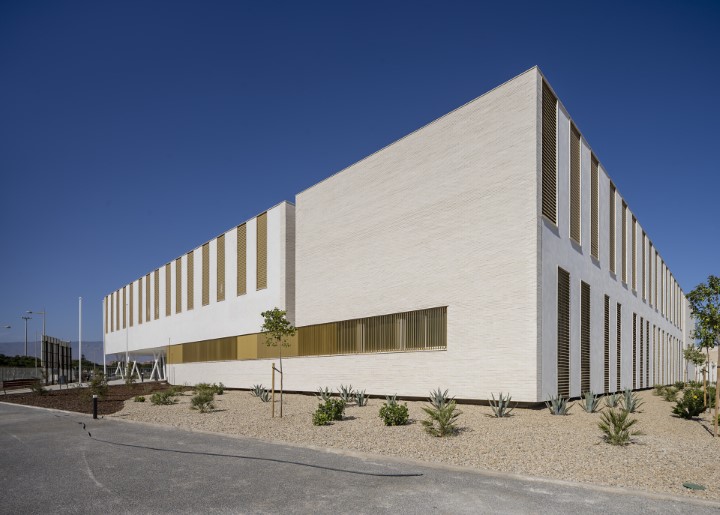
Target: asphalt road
57,462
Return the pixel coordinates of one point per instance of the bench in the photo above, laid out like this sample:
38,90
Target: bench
14,384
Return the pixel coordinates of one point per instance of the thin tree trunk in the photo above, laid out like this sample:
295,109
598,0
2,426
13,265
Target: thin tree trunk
281,383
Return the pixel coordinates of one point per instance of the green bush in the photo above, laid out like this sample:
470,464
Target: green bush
679,385
441,421
711,396
330,410
139,398
691,404
98,386
670,394
216,389
164,398
38,388
616,424
203,401
394,414
658,389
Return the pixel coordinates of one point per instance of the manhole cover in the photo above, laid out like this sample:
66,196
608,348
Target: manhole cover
693,486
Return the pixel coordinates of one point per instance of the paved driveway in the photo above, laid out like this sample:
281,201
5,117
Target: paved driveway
55,462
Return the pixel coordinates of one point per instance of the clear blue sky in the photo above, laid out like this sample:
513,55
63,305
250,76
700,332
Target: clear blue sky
130,132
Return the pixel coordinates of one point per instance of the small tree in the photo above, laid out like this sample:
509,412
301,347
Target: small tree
277,329
694,355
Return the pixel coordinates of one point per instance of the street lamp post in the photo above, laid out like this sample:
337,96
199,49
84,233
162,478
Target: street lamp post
26,318
43,315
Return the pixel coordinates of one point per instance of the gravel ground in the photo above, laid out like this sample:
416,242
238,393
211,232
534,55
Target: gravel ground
530,442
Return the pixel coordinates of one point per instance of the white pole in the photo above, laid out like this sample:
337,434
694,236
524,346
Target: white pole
80,340
104,363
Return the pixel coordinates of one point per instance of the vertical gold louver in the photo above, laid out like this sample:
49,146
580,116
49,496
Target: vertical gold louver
634,351
606,354
633,253
168,296
124,308
206,274
624,243
650,273
262,251
112,312
241,259
613,225
132,304
178,285
549,154
575,185
642,352
657,290
584,337
156,300
140,301
647,353
563,333
147,298
117,310
594,208
618,345
190,280
220,268
643,264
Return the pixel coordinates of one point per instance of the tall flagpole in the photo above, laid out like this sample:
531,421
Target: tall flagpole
80,340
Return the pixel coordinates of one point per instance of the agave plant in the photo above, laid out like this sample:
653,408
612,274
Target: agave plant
264,395
501,406
441,421
616,424
360,398
325,394
631,402
439,398
590,402
612,400
558,405
257,389
347,393
391,400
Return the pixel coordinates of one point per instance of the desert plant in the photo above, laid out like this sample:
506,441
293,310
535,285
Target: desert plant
501,406
558,405
394,414
176,390
346,393
98,386
203,401
669,393
710,396
612,400
164,398
264,395
38,388
441,421
439,398
257,389
202,386
139,398
616,424
691,405
216,389
219,388
631,401
391,399
129,377
679,385
360,398
590,402
330,410
325,394
658,389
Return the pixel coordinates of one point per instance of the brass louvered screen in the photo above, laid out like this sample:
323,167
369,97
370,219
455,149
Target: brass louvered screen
178,285
147,298
613,225
410,331
650,274
140,301
618,344
220,268
657,291
624,242
575,185
190,280
106,321
642,353
606,353
241,259
549,154
594,208
168,296
563,333
633,253
124,307
132,304
117,310
156,300
643,264
647,353
206,274
584,337
634,351
262,251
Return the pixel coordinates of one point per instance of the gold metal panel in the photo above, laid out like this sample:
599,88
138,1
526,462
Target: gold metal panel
112,312
265,352
206,274
117,310
633,253
618,349
131,304
584,337
241,259
178,285
247,346
147,298
140,301
606,341
575,185
624,242
613,224
563,333
175,354
190,280
594,208
220,268
124,308
549,154
634,351
157,293
168,297
262,251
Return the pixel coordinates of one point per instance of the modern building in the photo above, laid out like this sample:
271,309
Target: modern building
486,252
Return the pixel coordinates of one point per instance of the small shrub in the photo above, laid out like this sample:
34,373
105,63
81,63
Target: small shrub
679,385
616,424
165,398
203,401
439,398
631,402
612,400
38,388
669,394
175,391
139,398
501,407
394,414
695,384
215,389
360,398
557,405
347,393
257,389
219,388
441,421
202,386
590,402
391,399
325,394
329,411
658,389
98,386
710,396
264,395
691,405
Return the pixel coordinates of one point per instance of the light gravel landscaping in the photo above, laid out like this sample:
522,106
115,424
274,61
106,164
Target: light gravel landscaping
530,442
